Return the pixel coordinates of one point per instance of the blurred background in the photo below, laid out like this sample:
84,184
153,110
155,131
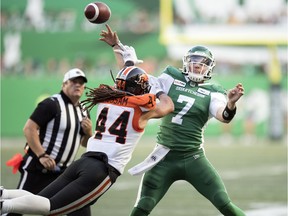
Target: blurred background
42,39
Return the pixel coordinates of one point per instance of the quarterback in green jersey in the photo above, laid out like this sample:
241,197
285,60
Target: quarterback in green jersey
195,102
181,132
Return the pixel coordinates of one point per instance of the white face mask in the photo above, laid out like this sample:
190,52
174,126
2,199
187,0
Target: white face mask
198,68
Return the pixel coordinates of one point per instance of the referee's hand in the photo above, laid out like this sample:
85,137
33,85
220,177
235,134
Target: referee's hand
47,162
86,125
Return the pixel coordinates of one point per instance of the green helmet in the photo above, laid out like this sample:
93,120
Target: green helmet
198,64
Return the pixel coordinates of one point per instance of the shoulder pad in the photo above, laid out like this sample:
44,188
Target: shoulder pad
213,87
218,88
173,72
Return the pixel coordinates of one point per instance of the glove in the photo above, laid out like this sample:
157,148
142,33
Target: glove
155,85
128,54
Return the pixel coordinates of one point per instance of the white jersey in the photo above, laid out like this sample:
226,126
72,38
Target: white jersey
117,128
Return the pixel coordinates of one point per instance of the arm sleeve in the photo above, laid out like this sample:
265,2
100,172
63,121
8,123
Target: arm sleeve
45,112
146,102
165,82
217,100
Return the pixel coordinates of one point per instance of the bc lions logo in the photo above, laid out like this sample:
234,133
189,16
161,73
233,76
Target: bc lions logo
143,81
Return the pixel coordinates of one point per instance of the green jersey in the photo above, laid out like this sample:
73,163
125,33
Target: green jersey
194,104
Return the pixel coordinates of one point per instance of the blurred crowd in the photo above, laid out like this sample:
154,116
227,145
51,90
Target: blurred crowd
231,12
36,18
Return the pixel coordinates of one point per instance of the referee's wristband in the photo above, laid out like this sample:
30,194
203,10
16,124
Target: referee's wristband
42,155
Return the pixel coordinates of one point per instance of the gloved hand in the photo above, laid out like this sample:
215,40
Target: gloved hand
155,85
128,53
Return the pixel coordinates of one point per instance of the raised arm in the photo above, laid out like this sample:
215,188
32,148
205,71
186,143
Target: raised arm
125,55
111,38
226,114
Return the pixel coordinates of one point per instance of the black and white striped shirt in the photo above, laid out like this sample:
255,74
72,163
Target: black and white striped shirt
60,130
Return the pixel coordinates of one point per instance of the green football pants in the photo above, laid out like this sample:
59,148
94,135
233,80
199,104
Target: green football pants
192,167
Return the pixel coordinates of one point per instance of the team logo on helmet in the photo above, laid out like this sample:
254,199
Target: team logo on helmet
133,80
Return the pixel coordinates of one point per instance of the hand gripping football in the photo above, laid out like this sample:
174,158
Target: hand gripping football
97,12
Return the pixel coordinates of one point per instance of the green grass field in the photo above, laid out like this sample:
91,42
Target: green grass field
255,177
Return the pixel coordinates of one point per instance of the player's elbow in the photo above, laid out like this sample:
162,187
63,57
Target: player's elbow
222,120
30,127
225,121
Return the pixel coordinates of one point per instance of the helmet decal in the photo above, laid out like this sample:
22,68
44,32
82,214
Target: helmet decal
143,81
124,72
133,80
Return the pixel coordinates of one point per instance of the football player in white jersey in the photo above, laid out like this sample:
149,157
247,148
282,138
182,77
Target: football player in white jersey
122,114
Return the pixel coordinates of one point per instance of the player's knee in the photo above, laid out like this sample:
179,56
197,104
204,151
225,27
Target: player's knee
223,203
221,199
146,204
232,210
138,212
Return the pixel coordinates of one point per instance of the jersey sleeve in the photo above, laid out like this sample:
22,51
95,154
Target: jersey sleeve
218,88
45,112
218,100
166,80
146,102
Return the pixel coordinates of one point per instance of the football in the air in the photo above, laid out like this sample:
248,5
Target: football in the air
97,12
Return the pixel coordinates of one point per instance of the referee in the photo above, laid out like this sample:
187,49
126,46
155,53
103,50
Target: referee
54,132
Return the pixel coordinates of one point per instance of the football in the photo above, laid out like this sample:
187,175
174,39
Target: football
97,12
